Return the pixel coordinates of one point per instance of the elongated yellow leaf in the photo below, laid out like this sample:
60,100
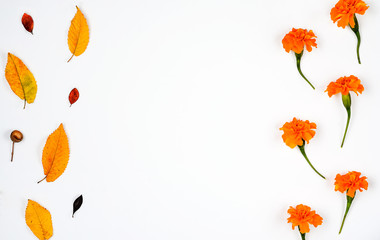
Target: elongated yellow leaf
38,220
79,34
55,155
20,79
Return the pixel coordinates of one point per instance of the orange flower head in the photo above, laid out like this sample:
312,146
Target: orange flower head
350,182
298,131
297,39
302,216
344,85
344,12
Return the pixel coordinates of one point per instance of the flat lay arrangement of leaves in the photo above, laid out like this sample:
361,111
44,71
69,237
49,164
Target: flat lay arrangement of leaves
296,133
55,155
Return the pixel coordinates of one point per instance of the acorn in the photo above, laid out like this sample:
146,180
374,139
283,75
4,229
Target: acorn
16,136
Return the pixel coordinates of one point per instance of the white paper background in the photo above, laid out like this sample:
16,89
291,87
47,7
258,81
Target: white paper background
176,132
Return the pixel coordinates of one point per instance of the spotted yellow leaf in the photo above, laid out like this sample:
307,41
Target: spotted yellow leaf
55,155
20,79
79,34
38,220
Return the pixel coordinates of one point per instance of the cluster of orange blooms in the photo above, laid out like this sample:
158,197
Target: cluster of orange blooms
343,12
298,133
302,215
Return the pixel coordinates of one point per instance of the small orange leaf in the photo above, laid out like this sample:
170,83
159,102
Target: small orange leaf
28,22
38,220
55,155
79,34
20,79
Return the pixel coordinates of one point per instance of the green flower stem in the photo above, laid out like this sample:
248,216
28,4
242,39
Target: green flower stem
303,235
349,202
298,57
348,122
355,29
347,104
302,149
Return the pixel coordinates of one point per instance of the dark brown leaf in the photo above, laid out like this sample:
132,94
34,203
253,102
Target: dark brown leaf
77,204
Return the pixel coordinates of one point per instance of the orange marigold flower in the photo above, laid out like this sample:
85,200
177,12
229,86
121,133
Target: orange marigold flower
344,85
344,12
350,182
298,131
297,39
302,216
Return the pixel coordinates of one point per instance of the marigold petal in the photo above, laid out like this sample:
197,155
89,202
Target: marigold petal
316,220
343,22
304,228
351,192
308,135
308,48
351,21
334,14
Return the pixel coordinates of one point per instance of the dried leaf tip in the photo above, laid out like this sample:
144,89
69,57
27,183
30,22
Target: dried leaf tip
77,204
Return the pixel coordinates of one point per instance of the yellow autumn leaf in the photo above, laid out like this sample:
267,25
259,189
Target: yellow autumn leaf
55,155
20,79
38,220
79,34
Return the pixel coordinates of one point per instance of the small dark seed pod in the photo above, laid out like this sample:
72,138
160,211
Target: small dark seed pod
16,136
